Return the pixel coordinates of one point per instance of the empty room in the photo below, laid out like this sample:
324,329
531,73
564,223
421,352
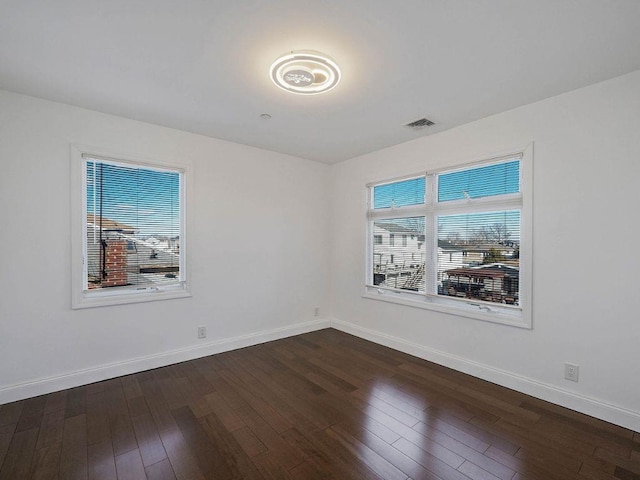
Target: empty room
319,240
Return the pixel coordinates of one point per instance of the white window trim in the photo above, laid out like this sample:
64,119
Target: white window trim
82,298
521,316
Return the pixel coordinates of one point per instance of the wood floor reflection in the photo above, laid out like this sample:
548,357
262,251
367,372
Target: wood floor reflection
324,405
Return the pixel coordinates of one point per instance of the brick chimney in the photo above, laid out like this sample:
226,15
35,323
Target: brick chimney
116,264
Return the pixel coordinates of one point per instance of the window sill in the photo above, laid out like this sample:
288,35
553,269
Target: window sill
90,300
462,310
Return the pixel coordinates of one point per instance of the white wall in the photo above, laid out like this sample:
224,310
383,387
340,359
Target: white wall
586,307
258,241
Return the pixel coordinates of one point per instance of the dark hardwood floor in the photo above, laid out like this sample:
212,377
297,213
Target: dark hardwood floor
324,405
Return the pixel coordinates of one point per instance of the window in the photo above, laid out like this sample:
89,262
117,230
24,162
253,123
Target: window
392,239
129,225
377,239
474,222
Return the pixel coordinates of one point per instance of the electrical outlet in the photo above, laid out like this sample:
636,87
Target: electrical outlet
316,311
571,371
202,332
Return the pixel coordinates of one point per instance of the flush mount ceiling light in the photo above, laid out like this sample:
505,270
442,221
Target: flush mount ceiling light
305,72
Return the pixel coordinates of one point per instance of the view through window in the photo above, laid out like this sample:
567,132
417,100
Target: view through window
133,226
460,231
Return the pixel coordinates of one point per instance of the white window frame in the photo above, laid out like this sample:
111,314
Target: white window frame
81,296
518,316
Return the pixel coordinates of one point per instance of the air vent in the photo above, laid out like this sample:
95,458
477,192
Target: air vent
420,123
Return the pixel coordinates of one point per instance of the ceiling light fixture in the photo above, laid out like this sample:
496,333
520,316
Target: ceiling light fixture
305,72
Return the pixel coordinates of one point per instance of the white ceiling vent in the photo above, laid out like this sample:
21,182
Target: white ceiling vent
420,123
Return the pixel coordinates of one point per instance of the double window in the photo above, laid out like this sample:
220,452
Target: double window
466,240
130,228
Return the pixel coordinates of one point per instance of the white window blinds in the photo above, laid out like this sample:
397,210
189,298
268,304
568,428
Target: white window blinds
478,243
133,226
452,236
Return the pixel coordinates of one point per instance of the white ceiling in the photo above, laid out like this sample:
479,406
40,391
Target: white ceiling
202,65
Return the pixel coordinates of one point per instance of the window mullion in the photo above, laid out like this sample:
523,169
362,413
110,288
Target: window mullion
431,235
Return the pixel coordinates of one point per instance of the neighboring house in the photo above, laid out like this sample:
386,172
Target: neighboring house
450,256
396,246
101,231
95,222
164,243
398,256
399,262
495,282
117,256
478,252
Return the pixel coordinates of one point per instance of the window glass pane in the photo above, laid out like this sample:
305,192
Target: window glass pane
498,179
479,256
397,264
133,226
399,194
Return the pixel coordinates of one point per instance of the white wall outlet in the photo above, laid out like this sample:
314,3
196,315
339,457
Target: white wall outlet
571,371
316,311
202,332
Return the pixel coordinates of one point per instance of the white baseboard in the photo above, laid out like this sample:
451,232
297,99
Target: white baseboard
103,372
591,406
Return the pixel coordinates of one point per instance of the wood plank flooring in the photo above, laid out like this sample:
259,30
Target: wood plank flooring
324,405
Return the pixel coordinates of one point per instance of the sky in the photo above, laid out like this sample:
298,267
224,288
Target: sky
148,200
